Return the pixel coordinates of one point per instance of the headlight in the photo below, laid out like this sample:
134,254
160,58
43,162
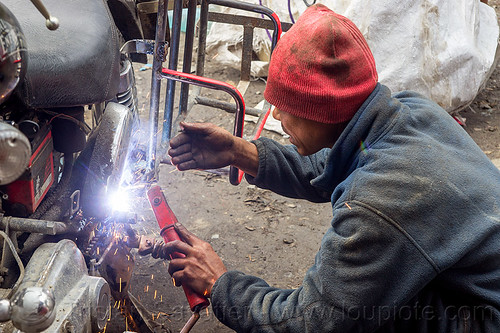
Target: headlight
15,153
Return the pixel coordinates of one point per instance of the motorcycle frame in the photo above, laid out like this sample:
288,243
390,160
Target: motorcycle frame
159,51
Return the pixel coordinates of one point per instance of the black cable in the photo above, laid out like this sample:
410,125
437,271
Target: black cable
308,4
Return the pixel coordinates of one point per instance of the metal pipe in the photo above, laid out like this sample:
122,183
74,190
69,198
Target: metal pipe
256,9
188,54
217,85
34,226
172,64
202,38
158,59
226,106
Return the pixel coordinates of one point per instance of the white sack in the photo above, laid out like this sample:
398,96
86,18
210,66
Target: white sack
443,49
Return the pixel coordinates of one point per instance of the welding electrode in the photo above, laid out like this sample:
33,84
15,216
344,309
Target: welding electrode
166,220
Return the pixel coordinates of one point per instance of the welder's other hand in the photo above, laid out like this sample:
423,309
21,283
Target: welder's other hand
200,268
201,146
206,146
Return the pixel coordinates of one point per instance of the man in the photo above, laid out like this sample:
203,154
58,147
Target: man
414,243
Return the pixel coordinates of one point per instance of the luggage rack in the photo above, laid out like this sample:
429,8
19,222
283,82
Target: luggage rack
186,101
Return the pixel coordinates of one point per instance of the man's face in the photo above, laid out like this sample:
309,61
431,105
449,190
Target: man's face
307,135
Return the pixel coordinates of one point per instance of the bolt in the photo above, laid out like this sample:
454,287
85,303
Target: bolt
68,327
156,201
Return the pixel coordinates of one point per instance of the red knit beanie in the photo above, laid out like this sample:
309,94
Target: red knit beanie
322,69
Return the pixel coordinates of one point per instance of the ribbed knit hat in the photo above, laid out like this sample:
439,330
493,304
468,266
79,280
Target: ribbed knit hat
321,69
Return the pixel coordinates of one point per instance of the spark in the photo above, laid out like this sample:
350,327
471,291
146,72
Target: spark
97,251
173,280
161,298
153,315
115,304
115,251
152,276
155,295
109,318
207,312
147,289
126,324
120,284
348,206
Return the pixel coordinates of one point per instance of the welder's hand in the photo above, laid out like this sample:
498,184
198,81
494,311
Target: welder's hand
206,146
200,268
201,146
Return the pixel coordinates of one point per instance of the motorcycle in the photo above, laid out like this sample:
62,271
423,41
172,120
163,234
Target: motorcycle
69,115
68,111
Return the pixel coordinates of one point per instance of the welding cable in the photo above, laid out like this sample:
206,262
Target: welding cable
290,11
18,260
309,4
262,16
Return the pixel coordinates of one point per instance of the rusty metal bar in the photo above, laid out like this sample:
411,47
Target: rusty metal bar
35,226
172,64
158,59
255,22
188,54
226,106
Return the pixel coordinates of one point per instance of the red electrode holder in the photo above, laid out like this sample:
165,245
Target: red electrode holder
166,220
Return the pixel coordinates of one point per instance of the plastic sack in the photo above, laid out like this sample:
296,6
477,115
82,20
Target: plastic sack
445,50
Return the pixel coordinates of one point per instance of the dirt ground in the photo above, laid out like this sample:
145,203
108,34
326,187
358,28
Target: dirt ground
253,230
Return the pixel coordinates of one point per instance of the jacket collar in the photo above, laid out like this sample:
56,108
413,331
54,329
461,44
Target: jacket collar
375,116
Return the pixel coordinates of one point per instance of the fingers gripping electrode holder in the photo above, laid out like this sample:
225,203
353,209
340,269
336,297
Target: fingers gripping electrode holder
166,220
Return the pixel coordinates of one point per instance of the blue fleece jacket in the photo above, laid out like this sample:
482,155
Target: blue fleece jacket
414,243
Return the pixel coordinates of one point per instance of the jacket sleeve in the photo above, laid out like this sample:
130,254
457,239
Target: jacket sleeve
367,268
284,171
